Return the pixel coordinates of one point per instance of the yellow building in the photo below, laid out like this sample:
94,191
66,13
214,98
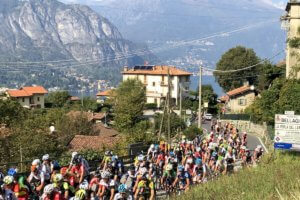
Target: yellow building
155,79
291,22
239,99
29,97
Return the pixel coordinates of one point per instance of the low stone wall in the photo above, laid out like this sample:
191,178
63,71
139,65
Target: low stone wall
252,128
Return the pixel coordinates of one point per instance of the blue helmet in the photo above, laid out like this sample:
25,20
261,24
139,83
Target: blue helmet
12,172
198,161
180,168
122,188
172,154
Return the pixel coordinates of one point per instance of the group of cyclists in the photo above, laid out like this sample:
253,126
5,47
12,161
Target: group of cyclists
164,168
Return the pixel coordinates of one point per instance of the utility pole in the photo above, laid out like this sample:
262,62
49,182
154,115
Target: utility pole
82,98
21,158
180,101
168,106
200,99
162,119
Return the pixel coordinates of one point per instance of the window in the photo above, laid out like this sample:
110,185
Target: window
242,102
38,99
163,79
153,84
23,99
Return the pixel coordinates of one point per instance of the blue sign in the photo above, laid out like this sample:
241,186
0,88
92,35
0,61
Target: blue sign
282,145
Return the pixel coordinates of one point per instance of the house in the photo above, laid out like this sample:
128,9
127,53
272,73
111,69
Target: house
106,139
90,116
291,22
29,96
155,79
103,95
237,100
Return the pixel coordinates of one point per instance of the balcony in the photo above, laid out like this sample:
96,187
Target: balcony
153,94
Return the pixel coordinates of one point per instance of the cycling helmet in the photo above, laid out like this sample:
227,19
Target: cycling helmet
198,149
143,170
57,178
45,157
107,153
114,158
84,185
169,167
172,154
74,154
157,147
105,174
141,157
77,159
122,188
36,162
49,189
80,194
180,168
8,180
12,172
152,146
198,161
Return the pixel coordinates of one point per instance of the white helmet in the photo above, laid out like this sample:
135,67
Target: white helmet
152,146
84,185
141,157
8,180
45,157
105,174
74,154
143,170
49,189
198,149
36,162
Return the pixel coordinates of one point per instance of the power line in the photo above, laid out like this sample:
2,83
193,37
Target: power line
245,68
139,53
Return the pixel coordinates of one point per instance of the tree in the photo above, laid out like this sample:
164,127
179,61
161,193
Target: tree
192,131
176,124
58,99
128,104
11,112
237,58
87,104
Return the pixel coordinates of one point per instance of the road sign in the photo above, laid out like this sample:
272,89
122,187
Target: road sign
287,131
289,112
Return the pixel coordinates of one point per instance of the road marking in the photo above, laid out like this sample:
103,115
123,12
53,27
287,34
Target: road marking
261,142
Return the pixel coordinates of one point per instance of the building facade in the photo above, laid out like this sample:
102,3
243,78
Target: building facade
291,22
155,79
29,97
237,100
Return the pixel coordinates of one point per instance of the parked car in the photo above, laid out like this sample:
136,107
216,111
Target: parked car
208,116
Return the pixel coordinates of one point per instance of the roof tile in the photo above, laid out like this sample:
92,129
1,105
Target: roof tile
239,90
159,70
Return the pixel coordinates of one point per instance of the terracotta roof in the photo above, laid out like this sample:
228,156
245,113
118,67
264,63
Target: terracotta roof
159,70
18,93
90,116
103,140
27,91
104,93
239,90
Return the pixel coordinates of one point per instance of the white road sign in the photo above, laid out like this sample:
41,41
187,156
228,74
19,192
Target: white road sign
287,131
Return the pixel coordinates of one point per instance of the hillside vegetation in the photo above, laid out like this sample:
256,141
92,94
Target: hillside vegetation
276,177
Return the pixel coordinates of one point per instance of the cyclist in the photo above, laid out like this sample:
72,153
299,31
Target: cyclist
106,186
183,179
145,188
62,188
46,167
37,176
7,189
48,192
20,187
168,177
123,193
199,171
78,171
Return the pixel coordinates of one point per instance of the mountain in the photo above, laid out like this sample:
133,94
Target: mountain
169,23
33,32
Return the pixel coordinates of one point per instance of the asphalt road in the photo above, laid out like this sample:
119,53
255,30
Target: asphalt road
252,143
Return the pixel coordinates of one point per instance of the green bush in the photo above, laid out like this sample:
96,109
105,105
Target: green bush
151,106
192,131
275,176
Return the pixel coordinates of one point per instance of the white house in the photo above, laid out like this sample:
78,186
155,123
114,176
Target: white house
155,79
29,97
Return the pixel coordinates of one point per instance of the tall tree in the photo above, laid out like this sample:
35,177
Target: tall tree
128,104
58,99
237,58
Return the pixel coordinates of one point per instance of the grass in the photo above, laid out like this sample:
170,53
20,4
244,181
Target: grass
276,177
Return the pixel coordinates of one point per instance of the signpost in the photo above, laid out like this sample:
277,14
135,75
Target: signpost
287,131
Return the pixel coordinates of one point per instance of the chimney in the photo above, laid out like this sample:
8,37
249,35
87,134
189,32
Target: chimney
125,68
